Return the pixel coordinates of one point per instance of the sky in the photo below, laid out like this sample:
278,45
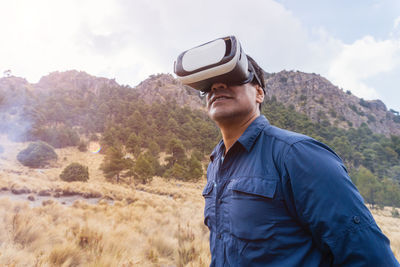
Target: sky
354,44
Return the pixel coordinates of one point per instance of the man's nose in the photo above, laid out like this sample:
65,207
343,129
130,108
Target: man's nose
216,86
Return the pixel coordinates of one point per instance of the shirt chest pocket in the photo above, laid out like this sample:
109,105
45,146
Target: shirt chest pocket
254,207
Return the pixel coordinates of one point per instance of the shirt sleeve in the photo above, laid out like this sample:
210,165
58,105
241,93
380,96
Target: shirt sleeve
329,206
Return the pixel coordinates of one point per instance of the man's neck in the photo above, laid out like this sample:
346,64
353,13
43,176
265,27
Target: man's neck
231,132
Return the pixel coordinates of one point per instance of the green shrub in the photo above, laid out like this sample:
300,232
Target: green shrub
371,118
333,113
37,155
353,107
75,172
283,79
82,146
364,103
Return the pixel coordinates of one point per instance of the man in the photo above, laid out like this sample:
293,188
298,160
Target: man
274,197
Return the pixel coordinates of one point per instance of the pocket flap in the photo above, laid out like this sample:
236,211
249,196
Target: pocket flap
208,188
254,186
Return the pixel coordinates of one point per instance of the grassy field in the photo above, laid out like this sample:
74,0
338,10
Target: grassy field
159,224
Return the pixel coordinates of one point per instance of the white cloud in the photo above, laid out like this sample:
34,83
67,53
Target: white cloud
396,23
361,60
129,40
395,33
43,36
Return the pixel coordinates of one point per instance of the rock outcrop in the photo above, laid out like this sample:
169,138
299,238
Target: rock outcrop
74,80
164,87
320,100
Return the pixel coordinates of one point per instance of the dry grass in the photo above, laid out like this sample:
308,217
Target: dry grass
141,233
159,224
390,227
141,228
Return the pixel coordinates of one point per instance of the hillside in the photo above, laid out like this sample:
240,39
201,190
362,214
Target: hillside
73,80
163,88
320,100
161,115
310,94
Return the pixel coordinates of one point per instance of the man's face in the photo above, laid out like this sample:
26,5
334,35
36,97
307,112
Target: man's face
233,103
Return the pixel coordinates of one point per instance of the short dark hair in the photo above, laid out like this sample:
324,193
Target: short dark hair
259,72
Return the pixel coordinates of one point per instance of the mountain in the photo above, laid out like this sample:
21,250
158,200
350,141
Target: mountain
307,93
14,91
164,87
320,100
73,80
162,115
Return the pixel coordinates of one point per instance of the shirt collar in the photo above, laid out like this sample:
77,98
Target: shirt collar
249,136
216,149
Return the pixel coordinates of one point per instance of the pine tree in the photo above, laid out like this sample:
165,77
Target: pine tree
177,171
175,147
195,170
136,122
368,185
114,163
133,144
143,169
154,149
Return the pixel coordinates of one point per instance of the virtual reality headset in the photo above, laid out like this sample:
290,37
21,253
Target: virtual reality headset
219,61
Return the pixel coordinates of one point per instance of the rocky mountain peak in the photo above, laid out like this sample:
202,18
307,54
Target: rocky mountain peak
74,80
320,100
14,91
164,87
14,83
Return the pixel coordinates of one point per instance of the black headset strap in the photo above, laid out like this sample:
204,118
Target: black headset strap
252,70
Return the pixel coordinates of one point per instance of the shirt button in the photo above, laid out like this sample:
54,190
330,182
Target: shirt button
356,219
219,236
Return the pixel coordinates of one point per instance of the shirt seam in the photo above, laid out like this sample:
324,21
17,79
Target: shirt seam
284,164
301,137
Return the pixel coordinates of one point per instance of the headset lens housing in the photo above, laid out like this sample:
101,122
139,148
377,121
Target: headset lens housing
221,60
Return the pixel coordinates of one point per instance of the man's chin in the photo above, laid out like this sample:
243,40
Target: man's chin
222,116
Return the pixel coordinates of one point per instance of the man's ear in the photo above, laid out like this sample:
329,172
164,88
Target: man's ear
260,94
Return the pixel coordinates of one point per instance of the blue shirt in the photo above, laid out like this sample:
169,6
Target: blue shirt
284,199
